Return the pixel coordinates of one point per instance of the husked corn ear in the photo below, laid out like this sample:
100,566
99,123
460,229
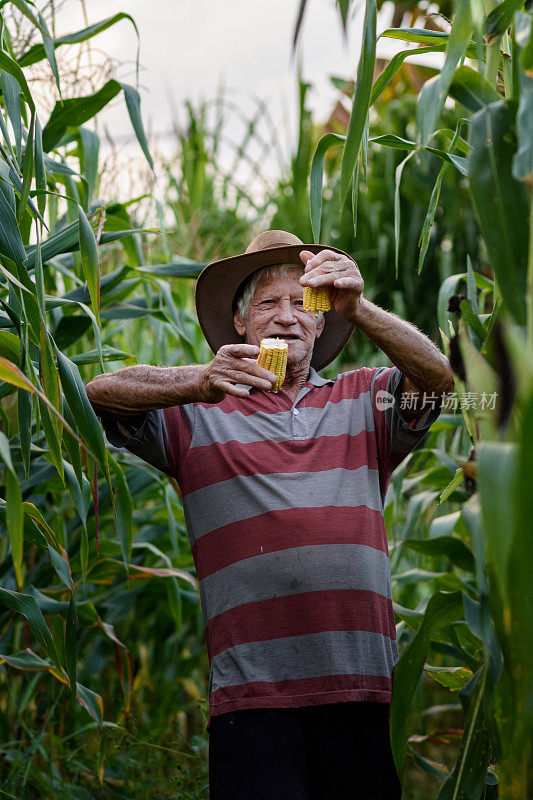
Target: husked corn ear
316,298
273,356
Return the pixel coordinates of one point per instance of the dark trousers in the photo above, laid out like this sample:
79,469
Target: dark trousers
339,751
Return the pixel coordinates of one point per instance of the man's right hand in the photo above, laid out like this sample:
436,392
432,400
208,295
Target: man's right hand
234,363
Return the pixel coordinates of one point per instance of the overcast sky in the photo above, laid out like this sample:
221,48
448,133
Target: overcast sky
190,47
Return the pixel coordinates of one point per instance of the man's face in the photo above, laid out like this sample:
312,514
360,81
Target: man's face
276,309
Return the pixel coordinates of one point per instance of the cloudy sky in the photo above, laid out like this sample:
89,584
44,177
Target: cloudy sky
189,48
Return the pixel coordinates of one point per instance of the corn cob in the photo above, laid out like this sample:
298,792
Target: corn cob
273,356
316,299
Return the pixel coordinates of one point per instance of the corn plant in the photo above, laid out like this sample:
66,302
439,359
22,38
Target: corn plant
66,509
476,614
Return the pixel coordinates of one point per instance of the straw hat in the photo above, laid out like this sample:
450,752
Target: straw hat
220,284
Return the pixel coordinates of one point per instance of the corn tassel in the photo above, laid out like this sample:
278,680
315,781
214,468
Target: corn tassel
316,299
273,356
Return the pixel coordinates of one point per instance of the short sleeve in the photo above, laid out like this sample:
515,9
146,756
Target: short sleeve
149,441
396,436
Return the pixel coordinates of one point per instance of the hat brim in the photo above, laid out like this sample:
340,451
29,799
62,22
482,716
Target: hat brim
217,286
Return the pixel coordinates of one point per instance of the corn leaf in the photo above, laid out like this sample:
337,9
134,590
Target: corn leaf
71,644
467,778
519,579
500,202
78,110
11,244
27,606
451,547
523,158
442,609
40,23
361,100
82,411
435,90
471,89
89,260
37,52
12,374
124,512
14,512
316,178
499,19
11,94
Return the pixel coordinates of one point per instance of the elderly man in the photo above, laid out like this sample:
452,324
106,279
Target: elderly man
283,497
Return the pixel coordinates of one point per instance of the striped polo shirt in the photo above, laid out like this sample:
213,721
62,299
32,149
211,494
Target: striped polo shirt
283,503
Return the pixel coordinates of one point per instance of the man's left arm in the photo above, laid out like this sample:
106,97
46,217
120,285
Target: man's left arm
424,368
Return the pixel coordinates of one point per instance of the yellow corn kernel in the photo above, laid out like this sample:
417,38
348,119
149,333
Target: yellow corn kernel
316,298
273,356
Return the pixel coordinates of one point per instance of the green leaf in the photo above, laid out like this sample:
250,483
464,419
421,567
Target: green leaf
316,177
26,660
27,173
89,259
394,65
37,52
12,68
419,35
24,415
473,320
499,19
11,244
91,701
108,354
61,566
299,20
67,240
450,287
523,158
133,104
10,347
450,546
397,221
500,202
40,169
363,87
430,217
124,512
40,23
71,644
396,142
453,678
471,89
14,512
90,148
26,605
435,90
52,436
442,609
76,111
178,268
82,411
467,778
11,95
519,579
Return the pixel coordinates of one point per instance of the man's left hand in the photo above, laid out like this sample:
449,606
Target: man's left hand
338,272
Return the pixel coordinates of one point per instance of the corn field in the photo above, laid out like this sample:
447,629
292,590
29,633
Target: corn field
425,176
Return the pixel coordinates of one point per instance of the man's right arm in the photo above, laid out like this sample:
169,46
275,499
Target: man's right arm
129,393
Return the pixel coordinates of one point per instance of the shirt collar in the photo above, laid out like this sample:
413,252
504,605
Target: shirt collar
313,378
316,380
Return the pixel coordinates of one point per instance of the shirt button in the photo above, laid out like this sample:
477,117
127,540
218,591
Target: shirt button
295,412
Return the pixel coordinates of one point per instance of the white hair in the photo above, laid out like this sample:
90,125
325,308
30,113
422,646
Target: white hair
247,293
